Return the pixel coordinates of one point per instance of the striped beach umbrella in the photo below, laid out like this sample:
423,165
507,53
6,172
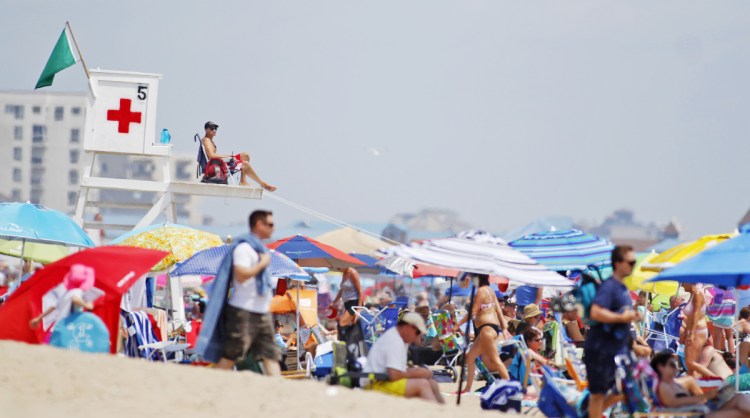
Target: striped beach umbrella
566,250
207,262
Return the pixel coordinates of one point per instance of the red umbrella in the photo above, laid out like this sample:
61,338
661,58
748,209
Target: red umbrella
307,252
116,268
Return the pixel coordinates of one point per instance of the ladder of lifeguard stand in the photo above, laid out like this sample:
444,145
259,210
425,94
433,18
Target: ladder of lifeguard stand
120,119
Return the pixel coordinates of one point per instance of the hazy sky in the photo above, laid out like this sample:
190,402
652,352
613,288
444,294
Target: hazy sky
504,111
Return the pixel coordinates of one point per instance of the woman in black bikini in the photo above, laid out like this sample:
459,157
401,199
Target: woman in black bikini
489,324
684,391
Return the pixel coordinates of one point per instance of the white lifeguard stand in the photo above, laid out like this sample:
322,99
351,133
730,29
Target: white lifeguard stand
121,119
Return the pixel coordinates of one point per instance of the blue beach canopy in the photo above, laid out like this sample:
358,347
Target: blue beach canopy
37,223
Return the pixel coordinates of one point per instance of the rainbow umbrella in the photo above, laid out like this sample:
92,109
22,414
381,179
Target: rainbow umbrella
179,241
308,252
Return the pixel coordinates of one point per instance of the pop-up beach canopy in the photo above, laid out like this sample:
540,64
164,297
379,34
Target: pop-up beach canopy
116,269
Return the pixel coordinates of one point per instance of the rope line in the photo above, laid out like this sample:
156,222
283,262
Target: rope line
328,218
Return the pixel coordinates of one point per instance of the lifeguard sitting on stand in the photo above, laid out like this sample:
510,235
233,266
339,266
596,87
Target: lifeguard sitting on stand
246,170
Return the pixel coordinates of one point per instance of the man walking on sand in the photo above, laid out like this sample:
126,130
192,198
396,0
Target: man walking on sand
388,356
242,323
612,310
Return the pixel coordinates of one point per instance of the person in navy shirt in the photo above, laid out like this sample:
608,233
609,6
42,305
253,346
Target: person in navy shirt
612,310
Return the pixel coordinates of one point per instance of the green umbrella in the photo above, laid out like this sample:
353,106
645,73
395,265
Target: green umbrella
35,251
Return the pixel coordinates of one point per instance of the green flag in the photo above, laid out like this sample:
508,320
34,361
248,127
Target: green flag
60,59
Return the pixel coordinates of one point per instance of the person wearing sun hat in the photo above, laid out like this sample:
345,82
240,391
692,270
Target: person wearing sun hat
533,316
388,356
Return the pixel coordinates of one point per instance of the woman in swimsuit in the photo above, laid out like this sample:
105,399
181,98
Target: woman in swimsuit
489,324
696,330
676,393
743,326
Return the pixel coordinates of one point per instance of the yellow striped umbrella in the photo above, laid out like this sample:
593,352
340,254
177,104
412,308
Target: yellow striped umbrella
638,280
181,243
684,251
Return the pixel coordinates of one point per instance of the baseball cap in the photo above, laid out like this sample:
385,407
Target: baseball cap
415,319
210,124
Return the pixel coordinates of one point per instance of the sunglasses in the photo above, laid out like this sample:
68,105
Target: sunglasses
631,263
672,364
537,340
269,224
417,330
213,128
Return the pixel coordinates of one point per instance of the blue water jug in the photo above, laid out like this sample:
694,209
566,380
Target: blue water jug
165,136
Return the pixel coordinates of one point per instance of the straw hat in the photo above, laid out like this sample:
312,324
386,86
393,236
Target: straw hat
531,310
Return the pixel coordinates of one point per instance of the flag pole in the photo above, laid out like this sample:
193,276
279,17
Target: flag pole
85,68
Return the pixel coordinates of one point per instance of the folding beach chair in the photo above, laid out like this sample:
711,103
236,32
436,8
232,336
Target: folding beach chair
555,399
231,166
638,382
140,336
665,330
451,343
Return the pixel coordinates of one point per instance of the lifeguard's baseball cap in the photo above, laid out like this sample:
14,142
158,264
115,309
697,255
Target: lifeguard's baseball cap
415,319
210,124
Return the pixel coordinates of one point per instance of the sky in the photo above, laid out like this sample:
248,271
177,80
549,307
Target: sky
503,111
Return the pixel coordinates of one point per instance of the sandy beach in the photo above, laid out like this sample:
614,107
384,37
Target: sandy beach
38,381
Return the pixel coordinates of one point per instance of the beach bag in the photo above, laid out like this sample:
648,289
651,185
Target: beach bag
502,395
81,331
721,309
216,172
629,385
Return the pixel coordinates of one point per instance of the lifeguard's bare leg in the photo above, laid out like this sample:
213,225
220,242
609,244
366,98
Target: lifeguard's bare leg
247,170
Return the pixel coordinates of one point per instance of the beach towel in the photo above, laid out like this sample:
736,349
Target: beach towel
81,331
502,395
721,308
211,339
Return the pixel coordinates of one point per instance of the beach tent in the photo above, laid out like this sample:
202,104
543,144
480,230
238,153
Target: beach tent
349,240
116,269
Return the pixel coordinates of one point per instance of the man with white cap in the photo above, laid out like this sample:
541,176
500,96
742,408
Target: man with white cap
388,356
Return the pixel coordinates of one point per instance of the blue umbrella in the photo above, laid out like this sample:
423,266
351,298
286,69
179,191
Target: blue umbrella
36,223
727,265
565,250
206,263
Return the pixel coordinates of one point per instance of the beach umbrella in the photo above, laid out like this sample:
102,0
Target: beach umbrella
30,223
639,280
726,264
476,257
350,240
308,252
207,262
34,251
116,269
179,241
571,249
684,251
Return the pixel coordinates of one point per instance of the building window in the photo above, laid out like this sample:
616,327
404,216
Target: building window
36,110
75,136
59,112
36,159
73,177
18,133
16,174
74,153
15,110
38,133
36,196
75,111
16,194
17,155
72,198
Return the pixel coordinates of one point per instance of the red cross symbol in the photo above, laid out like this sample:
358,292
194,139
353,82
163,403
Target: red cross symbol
123,116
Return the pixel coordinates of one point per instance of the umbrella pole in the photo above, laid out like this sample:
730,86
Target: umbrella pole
466,346
450,291
736,341
300,344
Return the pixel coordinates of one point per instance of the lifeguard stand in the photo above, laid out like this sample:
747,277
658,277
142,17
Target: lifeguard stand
121,119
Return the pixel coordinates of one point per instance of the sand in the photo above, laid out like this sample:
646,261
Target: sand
41,381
